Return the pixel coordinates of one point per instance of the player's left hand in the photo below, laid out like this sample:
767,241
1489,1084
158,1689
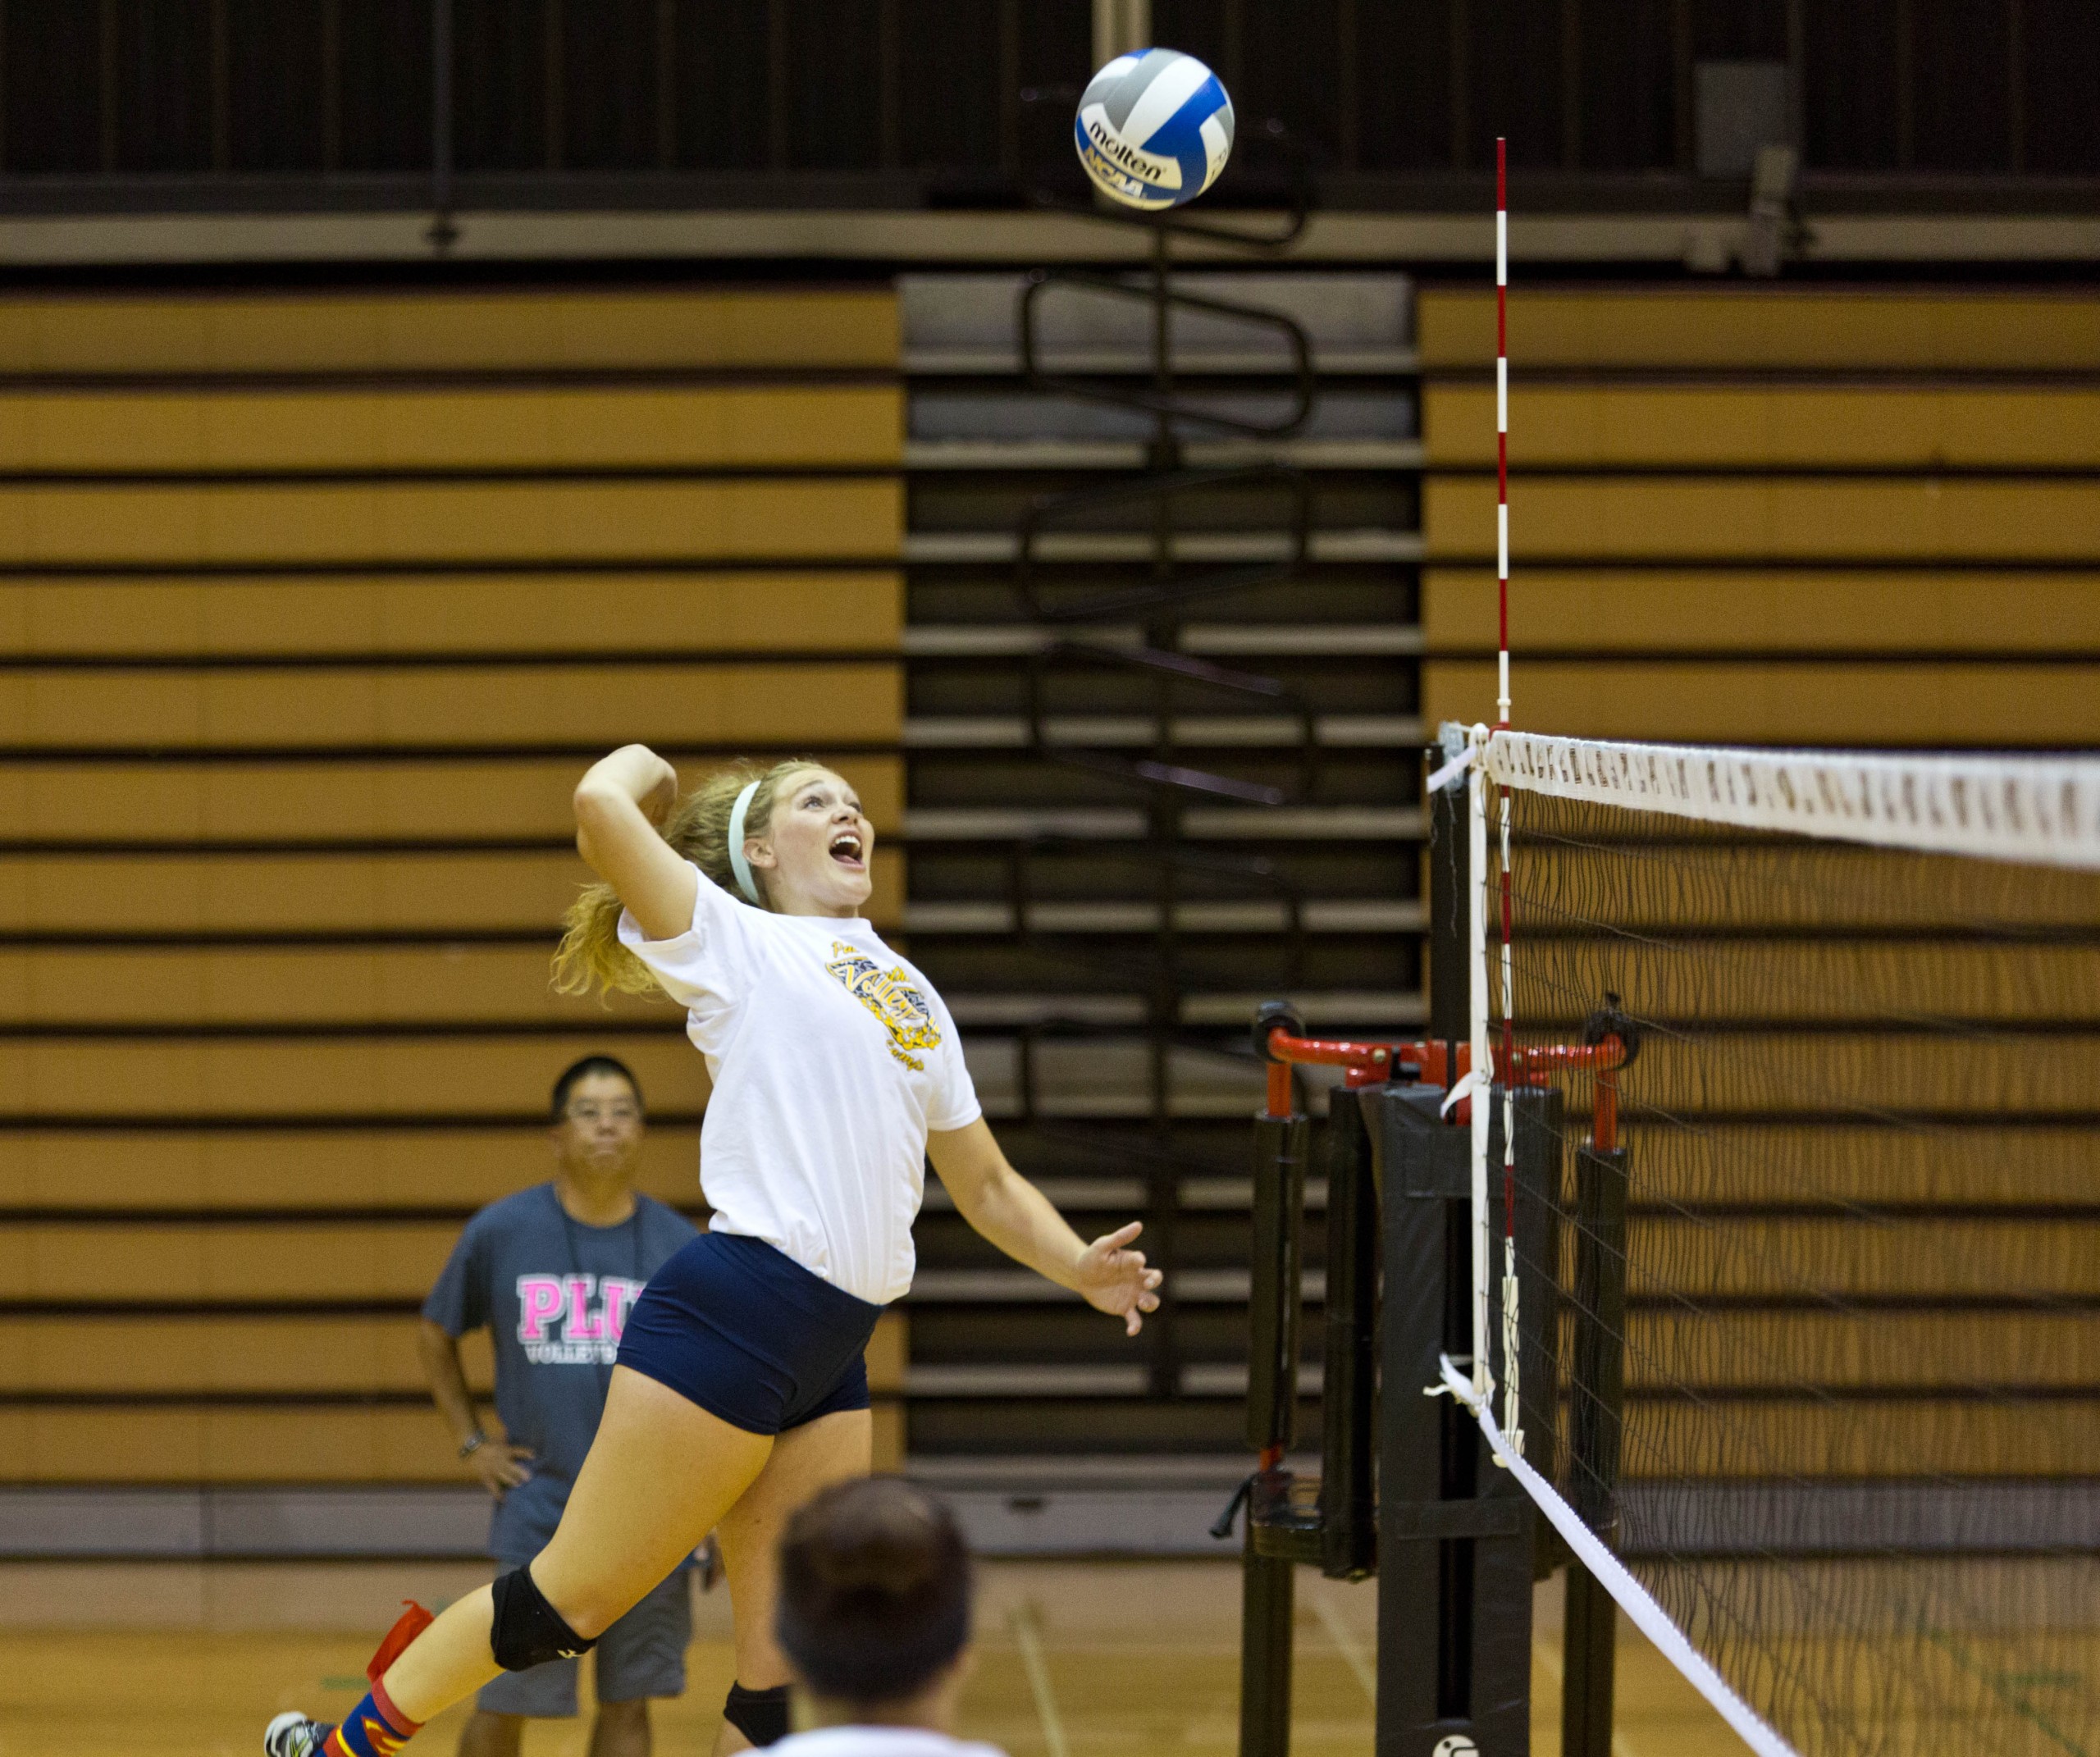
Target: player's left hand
1112,1278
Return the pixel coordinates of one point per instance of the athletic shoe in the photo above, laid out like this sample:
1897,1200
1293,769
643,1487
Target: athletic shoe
291,1734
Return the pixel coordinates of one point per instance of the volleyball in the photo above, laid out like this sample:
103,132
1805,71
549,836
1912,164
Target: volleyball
1154,128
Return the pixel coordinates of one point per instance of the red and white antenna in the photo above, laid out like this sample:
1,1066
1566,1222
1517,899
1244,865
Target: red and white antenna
1502,413
1512,1390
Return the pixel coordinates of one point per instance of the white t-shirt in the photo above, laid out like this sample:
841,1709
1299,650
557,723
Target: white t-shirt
878,1741
831,1058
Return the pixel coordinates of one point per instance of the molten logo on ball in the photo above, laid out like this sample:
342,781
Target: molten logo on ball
1154,130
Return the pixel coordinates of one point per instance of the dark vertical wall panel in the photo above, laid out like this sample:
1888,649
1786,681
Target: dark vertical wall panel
53,76
834,85
164,84
2062,86
608,84
1959,71
1747,29
1513,56
722,85
1849,100
950,86
1291,59
385,90
1404,54
1629,85
1195,27
500,78
274,53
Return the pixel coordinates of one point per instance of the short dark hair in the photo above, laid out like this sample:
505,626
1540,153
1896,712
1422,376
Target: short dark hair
590,1065
875,1590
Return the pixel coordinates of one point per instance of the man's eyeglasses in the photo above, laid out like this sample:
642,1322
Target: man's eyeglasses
590,1113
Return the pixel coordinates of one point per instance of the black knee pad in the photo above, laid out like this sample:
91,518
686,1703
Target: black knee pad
760,1715
527,1630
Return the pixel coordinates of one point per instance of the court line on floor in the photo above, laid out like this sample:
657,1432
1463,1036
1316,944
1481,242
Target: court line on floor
1543,1652
1347,1644
1022,1620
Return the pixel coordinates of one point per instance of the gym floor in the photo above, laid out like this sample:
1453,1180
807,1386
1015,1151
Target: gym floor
1073,1659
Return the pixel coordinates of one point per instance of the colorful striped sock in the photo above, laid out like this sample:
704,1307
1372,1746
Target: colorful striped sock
374,1729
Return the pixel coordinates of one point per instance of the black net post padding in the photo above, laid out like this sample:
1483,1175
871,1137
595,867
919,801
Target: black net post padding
1349,1511
1280,1144
1455,1533
1597,1354
1268,1583
1596,1426
1542,1133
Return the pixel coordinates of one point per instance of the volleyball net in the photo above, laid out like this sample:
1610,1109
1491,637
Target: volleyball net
1815,1039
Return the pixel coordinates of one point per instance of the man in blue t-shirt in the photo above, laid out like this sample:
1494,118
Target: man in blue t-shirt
553,1273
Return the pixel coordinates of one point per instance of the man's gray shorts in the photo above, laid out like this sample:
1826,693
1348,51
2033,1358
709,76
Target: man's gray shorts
642,1654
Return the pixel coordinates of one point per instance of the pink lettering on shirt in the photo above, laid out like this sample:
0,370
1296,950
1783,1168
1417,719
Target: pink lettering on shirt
583,1326
616,1298
540,1297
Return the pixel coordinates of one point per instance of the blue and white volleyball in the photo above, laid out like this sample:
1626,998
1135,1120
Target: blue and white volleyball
1154,128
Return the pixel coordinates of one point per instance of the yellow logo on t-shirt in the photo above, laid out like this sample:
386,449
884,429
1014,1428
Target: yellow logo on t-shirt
890,997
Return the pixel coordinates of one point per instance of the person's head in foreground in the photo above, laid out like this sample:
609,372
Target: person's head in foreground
873,1612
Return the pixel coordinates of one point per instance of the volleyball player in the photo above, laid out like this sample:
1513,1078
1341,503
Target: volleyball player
874,1619
740,1390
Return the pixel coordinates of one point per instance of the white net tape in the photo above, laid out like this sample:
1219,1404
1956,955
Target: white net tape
2040,809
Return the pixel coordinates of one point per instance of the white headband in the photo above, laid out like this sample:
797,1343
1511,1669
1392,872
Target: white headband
742,867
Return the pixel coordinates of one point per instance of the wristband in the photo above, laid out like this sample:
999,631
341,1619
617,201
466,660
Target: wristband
473,1443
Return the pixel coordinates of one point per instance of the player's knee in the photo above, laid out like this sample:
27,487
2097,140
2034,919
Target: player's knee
528,1630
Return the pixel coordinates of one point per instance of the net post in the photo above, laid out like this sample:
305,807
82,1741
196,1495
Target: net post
1348,1520
1483,1062
1449,992
1267,1584
1596,1406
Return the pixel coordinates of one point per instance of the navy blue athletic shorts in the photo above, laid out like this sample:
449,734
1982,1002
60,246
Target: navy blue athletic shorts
750,1335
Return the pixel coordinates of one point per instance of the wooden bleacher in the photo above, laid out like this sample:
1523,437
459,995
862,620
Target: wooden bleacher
314,607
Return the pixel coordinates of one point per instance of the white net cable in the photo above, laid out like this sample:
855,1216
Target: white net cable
2044,810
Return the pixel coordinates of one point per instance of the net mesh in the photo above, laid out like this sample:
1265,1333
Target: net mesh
1860,1336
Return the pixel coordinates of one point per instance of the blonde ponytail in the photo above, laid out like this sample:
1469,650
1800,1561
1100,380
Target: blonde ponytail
590,958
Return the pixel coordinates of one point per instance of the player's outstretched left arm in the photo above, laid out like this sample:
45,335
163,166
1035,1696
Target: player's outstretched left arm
1017,1216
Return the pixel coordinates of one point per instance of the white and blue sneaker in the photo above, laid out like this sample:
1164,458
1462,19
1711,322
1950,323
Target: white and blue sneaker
292,1734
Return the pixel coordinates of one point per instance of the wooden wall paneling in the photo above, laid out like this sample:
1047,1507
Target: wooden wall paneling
1874,1437
236,430
572,615
1693,426
207,894
204,988
1981,1165
427,706
534,330
435,1076
356,1167
1762,328
210,1354
447,801
314,1442
322,1261
1573,611
1977,705
1859,1349
420,522
1782,518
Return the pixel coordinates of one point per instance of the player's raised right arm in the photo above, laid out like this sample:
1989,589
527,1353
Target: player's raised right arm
620,800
